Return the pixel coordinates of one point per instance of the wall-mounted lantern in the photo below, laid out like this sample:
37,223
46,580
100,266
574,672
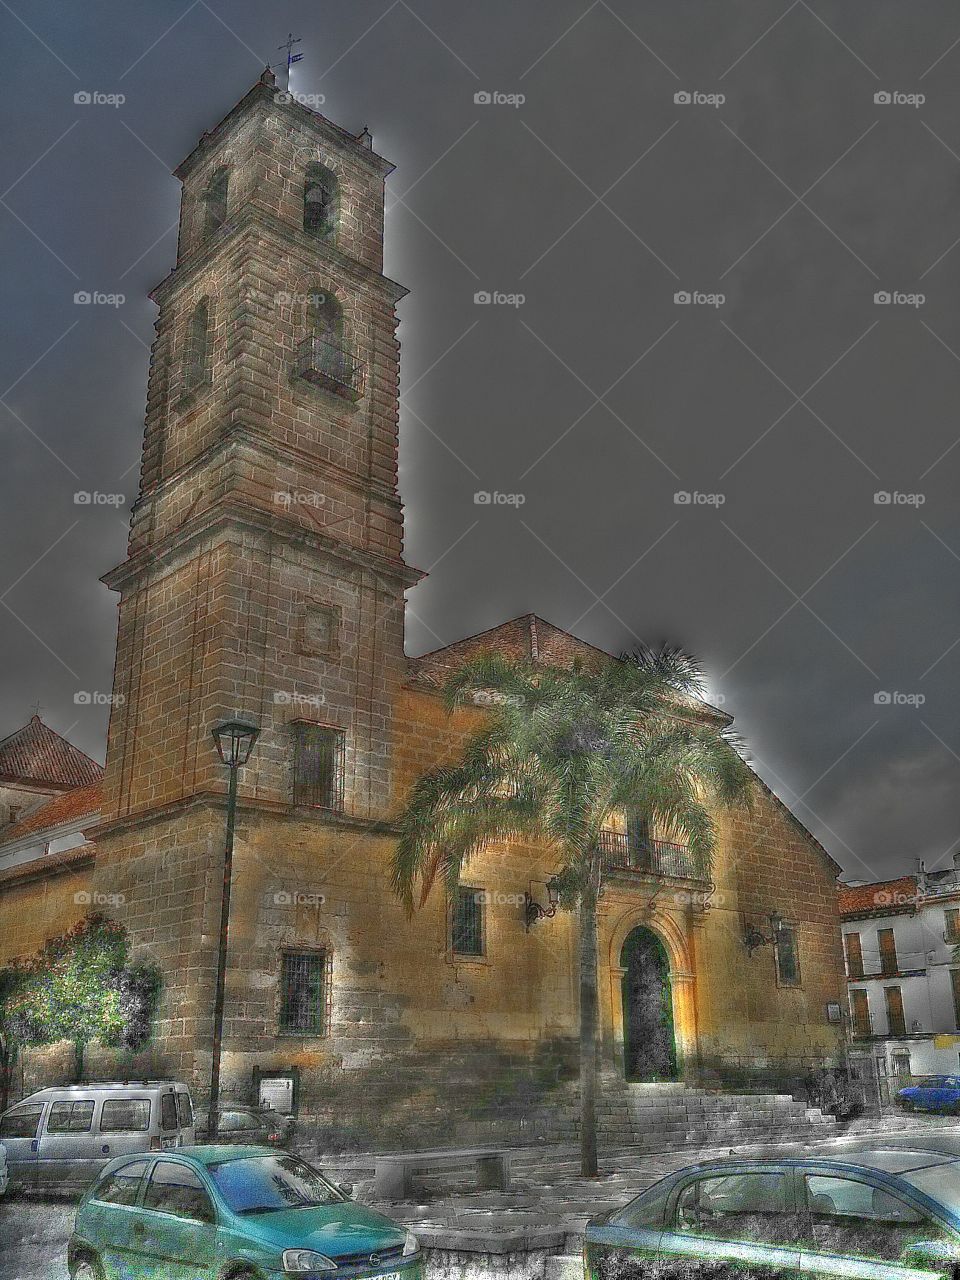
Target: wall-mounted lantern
753,938
533,911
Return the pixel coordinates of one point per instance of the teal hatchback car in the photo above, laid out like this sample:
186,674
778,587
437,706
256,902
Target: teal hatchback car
231,1213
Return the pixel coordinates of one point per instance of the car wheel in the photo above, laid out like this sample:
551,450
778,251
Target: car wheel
86,1267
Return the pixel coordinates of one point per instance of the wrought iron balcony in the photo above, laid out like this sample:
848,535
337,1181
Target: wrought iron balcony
327,365
622,852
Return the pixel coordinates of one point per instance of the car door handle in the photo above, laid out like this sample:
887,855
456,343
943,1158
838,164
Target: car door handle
35,1146
139,1229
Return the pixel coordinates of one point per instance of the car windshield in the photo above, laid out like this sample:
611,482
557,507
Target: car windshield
941,1182
932,1082
265,1184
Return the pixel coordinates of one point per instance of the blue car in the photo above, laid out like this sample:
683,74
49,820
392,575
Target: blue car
878,1215
231,1213
932,1093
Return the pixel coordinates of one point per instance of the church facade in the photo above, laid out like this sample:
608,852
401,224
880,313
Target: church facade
265,578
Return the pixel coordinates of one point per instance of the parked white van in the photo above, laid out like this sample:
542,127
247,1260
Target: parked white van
62,1137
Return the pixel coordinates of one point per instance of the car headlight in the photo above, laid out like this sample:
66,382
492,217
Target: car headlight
300,1260
410,1244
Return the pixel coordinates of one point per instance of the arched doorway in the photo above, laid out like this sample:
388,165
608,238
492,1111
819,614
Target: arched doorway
649,1040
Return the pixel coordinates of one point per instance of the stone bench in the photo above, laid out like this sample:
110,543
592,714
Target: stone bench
393,1174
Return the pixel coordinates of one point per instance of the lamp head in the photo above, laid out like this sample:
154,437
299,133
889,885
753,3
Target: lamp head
235,740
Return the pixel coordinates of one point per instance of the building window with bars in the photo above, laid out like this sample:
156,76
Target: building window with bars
860,1009
886,940
896,1022
467,932
787,956
305,993
851,942
318,757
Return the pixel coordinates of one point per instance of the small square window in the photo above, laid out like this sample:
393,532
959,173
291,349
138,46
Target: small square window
318,766
467,923
305,992
788,959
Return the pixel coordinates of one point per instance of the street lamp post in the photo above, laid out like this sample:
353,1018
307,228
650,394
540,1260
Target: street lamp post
235,740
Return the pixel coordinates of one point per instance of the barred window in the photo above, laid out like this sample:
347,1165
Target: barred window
466,922
305,992
318,766
788,960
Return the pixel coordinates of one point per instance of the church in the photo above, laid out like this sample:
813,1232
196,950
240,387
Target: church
264,578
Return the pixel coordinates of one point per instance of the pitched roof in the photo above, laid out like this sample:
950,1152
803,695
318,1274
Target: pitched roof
883,897
61,809
38,756
527,637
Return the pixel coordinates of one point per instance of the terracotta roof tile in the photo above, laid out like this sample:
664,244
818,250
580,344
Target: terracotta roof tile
882,897
39,756
61,809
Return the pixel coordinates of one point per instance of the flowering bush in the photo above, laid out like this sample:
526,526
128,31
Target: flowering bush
79,987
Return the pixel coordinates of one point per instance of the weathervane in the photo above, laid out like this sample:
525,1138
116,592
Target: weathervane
291,56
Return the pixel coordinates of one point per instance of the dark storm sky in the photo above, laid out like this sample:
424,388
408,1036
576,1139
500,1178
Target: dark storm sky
599,398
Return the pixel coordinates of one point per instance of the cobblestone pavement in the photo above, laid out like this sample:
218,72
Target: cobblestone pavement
548,1194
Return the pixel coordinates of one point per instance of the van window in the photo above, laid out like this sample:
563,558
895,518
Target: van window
168,1111
125,1115
22,1122
121,1187
186,1110
71,1117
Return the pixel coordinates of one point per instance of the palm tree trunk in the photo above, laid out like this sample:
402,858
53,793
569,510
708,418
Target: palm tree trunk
588,1020
78,1055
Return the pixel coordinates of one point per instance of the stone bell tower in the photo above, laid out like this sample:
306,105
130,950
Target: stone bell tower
264,575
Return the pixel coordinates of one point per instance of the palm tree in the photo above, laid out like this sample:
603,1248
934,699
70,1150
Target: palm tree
561,749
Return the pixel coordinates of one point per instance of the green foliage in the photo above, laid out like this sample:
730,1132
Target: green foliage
79,987
562,749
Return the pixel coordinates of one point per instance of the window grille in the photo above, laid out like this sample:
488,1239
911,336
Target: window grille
305,992
466,925
318,767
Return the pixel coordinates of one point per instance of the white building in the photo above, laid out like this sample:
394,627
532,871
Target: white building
903,974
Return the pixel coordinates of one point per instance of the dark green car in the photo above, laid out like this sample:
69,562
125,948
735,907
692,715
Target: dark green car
231,1213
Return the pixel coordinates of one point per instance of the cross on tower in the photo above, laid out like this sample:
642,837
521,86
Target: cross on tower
291,56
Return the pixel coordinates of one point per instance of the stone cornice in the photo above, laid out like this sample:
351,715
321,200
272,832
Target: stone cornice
250,217
228,514
246,805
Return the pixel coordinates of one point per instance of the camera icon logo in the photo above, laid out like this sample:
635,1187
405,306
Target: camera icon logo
482,498
82,698
483,98
682,98
283,97
482,298
882,698
82,498
882,498
882,98
682,298
83,299
682,498
281,698
282,899
82,898
82,98
882,298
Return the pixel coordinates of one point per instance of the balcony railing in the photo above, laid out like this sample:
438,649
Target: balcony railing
622,852
327,365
